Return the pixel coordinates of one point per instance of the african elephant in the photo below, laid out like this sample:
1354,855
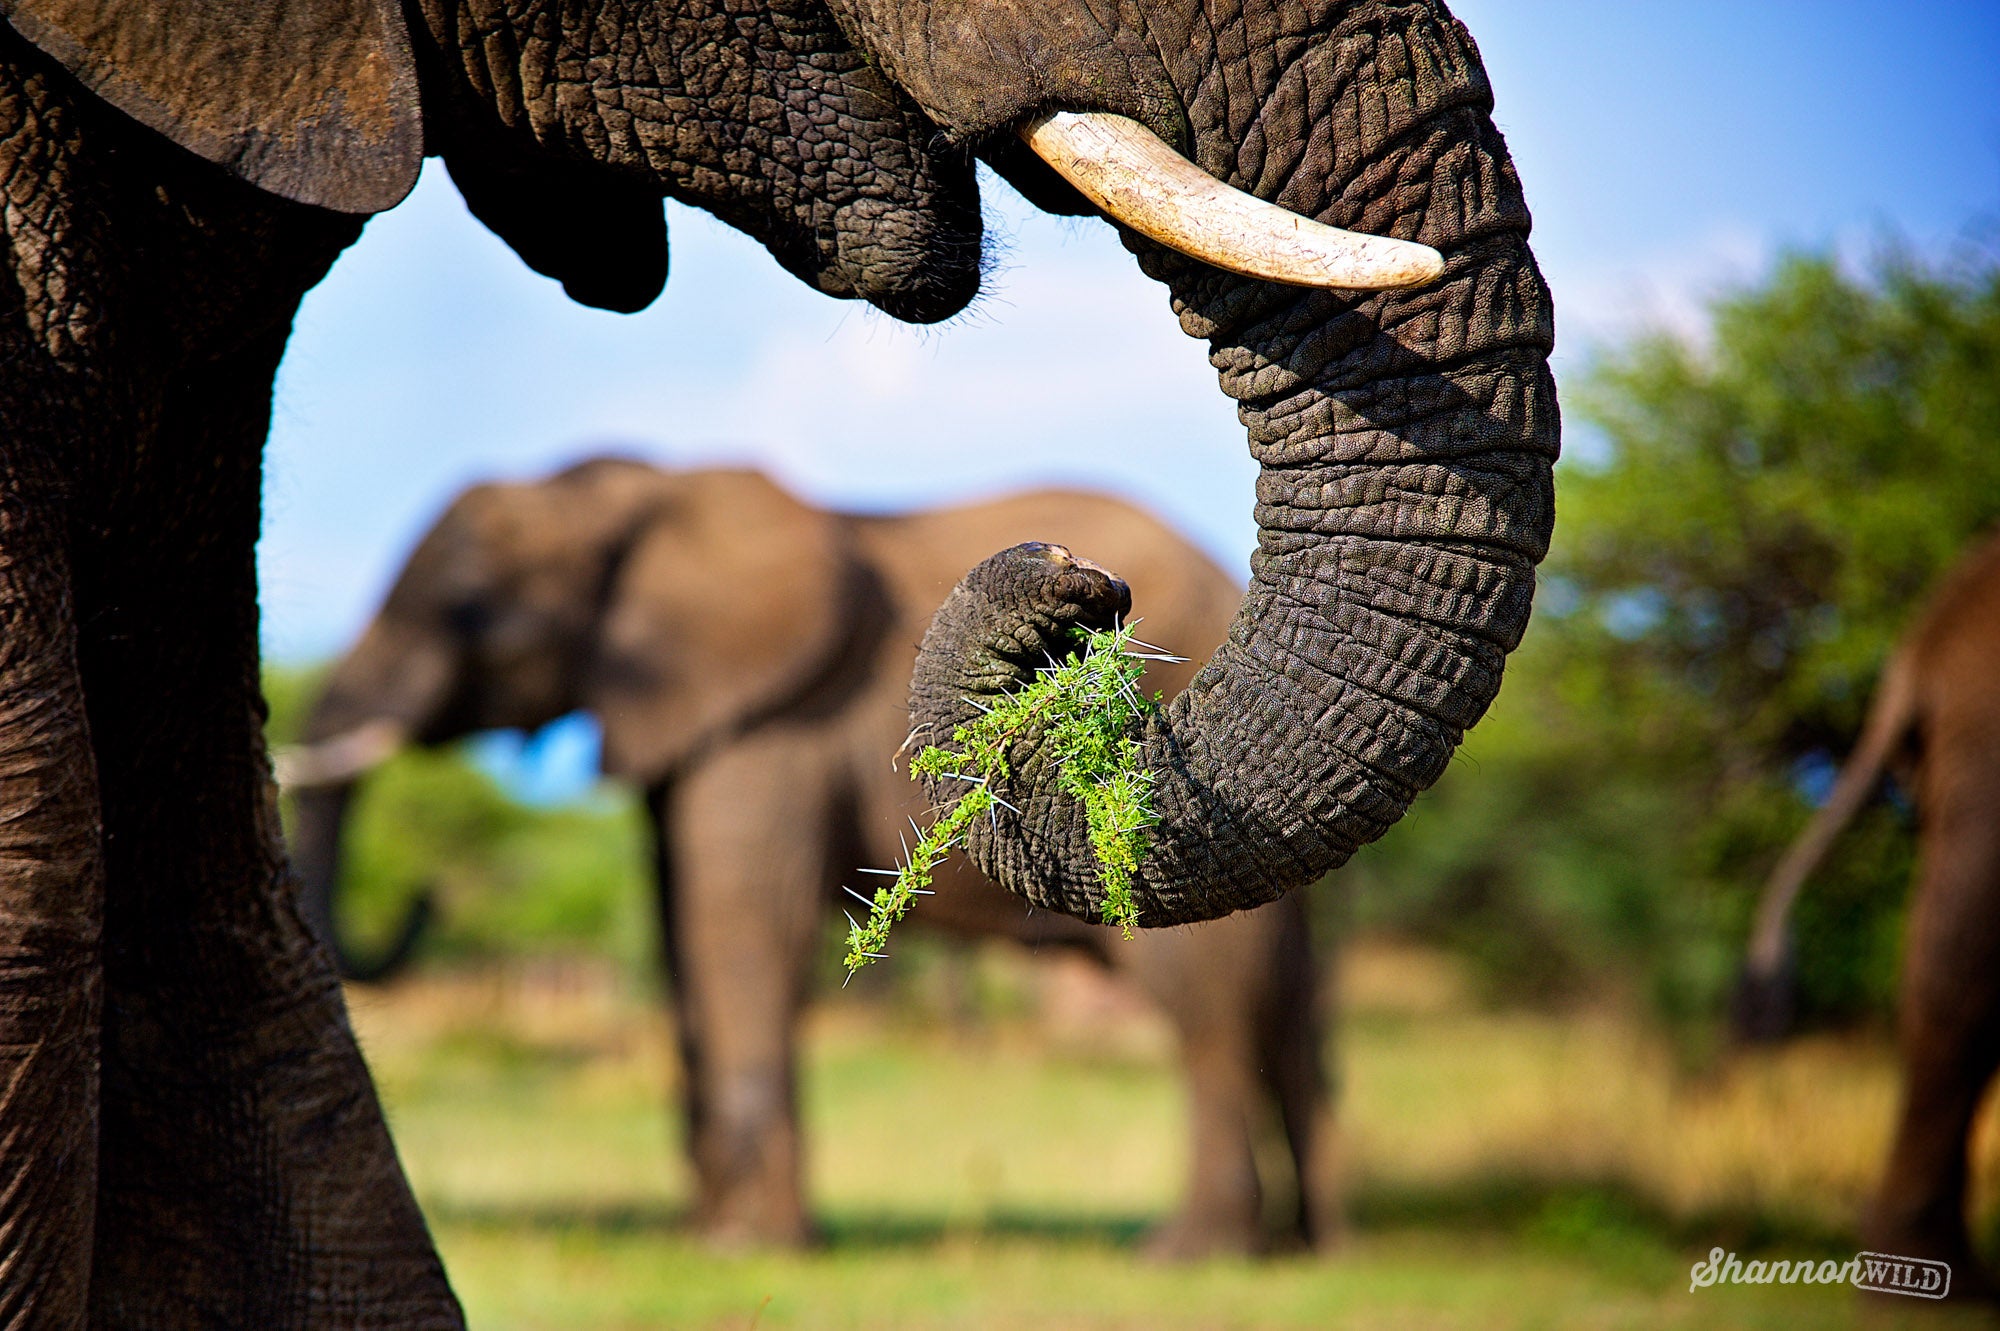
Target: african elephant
191,1136
748,656
1935,719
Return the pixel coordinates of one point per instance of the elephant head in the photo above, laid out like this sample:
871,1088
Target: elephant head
1406,437
677,607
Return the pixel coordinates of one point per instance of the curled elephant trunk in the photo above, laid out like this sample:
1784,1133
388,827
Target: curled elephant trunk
319,818
1406,442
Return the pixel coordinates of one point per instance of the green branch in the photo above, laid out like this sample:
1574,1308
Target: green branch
1085,708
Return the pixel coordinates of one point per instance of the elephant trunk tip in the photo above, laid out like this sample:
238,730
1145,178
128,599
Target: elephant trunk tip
1763,1006
393,960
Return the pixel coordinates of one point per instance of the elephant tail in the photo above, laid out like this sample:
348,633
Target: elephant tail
1765,998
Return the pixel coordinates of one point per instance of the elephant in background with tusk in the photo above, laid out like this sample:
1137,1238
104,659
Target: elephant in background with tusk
748,657
1935,721
192,1137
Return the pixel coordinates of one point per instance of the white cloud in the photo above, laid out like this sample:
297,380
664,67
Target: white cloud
1668,289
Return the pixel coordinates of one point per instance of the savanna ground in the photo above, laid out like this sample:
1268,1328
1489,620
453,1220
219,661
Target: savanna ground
989,1152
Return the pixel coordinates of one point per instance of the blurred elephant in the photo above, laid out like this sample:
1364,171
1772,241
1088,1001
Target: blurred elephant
748,657
1936,720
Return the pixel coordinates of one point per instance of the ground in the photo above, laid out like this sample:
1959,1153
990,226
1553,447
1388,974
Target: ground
1508,1169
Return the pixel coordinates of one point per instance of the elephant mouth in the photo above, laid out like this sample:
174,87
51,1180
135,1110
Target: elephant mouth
1138,179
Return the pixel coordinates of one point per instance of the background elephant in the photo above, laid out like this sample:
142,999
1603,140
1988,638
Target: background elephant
1935,720
193,1138
749,656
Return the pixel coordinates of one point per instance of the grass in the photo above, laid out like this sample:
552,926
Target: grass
1509,1170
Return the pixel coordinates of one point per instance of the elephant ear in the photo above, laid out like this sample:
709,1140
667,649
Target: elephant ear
736,604
313,100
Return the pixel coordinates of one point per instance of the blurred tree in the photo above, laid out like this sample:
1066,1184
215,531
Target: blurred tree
1756,519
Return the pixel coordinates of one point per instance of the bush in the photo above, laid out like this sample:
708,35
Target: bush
1731,568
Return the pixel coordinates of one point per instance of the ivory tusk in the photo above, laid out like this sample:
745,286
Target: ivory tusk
1129,172
340,758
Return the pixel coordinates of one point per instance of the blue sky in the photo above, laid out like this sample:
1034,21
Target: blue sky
1667,149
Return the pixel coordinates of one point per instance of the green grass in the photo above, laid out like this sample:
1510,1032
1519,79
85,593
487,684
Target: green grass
1509,1171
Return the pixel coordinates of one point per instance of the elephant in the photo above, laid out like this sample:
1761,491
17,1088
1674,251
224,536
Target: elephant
1935,722
190,1133
748,658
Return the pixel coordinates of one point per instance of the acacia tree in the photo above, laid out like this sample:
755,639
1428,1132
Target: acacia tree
1759,513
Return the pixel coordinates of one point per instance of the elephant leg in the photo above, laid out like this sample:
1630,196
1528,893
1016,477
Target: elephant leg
750,831
1949,1020
1224,1206
1205,978
694,1075
1293,1033
245,1177
51,903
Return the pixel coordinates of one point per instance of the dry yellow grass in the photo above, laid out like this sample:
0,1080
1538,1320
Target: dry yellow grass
1510,1169
1798,1131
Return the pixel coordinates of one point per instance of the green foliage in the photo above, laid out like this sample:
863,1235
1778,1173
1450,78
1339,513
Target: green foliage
1775,505
289,692
1084,708
1767,510
509,878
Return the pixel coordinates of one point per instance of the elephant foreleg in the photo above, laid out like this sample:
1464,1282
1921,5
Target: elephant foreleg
51,905
688,1045
1949,1021
1223,1209
246,1178
749,834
